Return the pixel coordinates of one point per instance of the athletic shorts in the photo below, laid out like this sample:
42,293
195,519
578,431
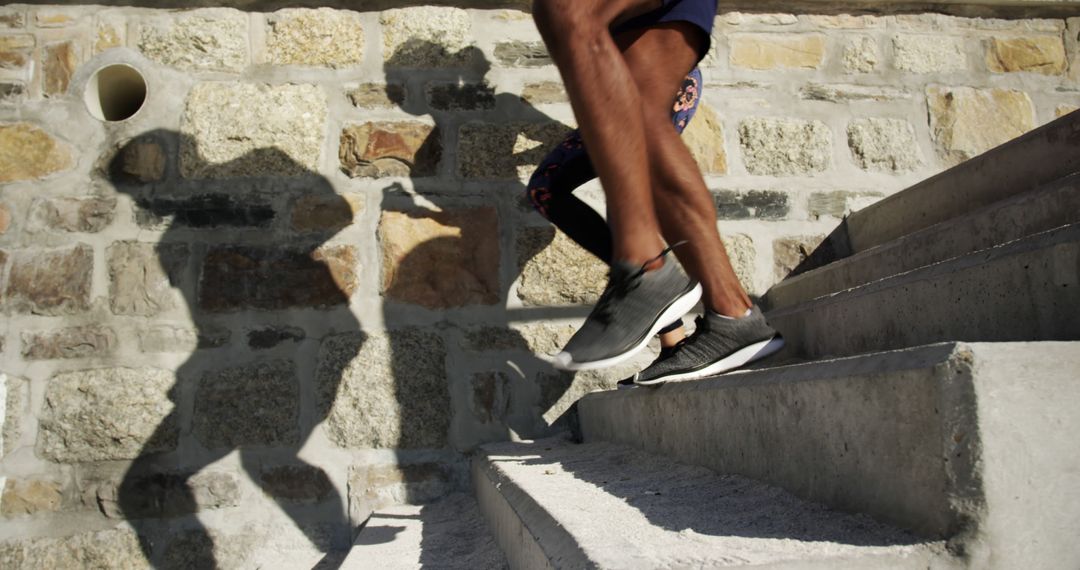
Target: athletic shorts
700,13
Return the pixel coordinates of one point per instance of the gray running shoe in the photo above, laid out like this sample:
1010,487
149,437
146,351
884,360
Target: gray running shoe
634,306
718,345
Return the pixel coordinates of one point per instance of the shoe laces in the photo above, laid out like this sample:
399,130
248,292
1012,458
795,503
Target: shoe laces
620,284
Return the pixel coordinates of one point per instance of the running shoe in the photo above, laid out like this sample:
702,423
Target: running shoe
635,305
718,345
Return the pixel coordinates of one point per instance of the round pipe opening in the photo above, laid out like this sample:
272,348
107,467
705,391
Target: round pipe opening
115,93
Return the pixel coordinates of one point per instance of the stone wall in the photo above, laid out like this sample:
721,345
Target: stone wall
302,281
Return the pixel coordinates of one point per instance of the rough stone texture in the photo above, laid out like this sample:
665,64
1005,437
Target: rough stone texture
14,404
107,414
493,338
377,150
385,390
319,37
755,20
860,55
143,277
785,146
12,18
270,337
427,37
29,497
141,160
522,54
789,252
210,211
752,204
273,278
12,93
545,338
839,204
505,151
1059,112
846,22
29,153
326,213
929,53
743,255
966,122
847,93
89,215
557,271
15,51
202,40
490,396
304,484
162,495
73,342
243,129
1037,54
58,65
115,549
169,338
442,259
256,404
704,136
544,93
373,487
377,95
763,52
460,97
885,145
55,282
110,33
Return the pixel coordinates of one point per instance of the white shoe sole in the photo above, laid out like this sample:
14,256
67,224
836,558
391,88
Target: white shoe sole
681,306
740,357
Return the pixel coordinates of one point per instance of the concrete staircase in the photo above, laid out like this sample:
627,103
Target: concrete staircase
923,415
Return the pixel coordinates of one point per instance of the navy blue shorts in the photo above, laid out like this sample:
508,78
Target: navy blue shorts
700,13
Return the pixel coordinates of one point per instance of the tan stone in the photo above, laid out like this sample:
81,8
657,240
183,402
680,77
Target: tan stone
53,19
860,55
545,338
557,271
374,487
15,50
887,145
117,549
326,213
427,36
315,37
966,122
142,277
704,136
377,95
376,150
12,18
544,93
214,39
846,22
440,260
929,53
58,66
28,497
1037,54
743,255
788,253
110,34
749,19
29,153
10,42
1059,112
774,51
51,282
72,342
780,146
143,159
505,150
5,219
14,408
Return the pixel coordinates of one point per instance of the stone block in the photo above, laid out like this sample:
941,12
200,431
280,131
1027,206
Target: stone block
16,51
297,484
234,278
505,151
545,338
764,52
269,337
377,150
325,213
243,129
544,93
557,271
522,54
14,398
491,396
493,338
1059,111
73,342
51,282
107,414
177,339
758,20
789,252
860,55
87,215
140,160
216,549
839,204
460,97
209,211
385,391
57,66
743,256
29,153
704,136
144,278
846,22
1036,54
319,37
442,259
199,40
377,95
884,145
373,487
785,146
751,204
847,93
427,37
965,122
12,18
110,32
23,497
161,495
12,93
919,53
254,404
102,549
54,18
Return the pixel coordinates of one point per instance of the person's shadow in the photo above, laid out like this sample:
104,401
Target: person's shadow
263,288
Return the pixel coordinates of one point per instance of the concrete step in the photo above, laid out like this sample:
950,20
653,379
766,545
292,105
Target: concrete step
449,534
1037,158
970,442
1054,205
1028,289
598,505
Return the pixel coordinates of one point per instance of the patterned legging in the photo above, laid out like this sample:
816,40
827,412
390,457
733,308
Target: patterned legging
567,167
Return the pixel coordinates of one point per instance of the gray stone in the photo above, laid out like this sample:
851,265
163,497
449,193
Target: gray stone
15,401
386,390
490,396
243,129
73,342
235,278
144,277
839,204
107,414
161,495
751,204
493,338
168,338
205,211
319,37
929,53
215,549
269,337
51,282
847,93
201,40
12,93
785,146
300,484
114,549
375,486
460,97
255,404
886,145
522,54
377,95
743,256
89,215
505,151
556,271
427,37
789,252
545,338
